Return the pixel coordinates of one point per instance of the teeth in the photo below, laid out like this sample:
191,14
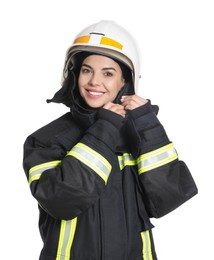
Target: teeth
96,93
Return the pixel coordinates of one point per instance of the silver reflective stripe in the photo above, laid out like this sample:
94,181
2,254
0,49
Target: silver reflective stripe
36,171
156,158
147,250
66,237
126,160
92,159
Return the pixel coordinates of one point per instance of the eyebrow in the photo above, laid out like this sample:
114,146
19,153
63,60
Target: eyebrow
106,68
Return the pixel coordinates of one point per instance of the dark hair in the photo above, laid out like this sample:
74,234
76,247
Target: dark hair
81,56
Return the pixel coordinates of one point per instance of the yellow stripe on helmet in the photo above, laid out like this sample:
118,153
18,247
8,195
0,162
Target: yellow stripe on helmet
103,41
111,42
82,39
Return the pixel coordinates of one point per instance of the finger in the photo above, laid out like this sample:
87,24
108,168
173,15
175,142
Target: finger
117,108
132,102
136,98
108,105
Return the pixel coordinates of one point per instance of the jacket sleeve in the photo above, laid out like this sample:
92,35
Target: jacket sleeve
166,181
65,183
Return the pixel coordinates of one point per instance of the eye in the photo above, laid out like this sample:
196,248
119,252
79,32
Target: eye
108,74
85,70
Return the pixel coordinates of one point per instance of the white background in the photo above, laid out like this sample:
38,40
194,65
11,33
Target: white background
176,41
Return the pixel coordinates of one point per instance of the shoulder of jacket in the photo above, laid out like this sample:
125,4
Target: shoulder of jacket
53,129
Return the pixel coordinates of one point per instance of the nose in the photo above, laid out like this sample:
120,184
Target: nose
95,79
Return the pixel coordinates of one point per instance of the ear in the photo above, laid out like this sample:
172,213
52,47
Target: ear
123,82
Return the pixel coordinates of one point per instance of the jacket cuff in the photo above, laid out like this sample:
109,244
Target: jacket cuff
104,132
111,117
143,110
144,117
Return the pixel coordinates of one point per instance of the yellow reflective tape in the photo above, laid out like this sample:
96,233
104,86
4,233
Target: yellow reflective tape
147,249
82,39
156,165
66,237
34,178
92,159
89,164
151,160
71,237
157,151
36,171
157,158
61,238
91,151
107,41
43,165
126,159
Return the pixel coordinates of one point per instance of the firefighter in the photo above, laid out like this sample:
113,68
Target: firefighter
91,169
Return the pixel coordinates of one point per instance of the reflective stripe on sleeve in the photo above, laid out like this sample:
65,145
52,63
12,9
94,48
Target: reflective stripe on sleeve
92,159
156,158
126,160
146,250
66,237
36,171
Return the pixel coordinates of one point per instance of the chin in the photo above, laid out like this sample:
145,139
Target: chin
95,104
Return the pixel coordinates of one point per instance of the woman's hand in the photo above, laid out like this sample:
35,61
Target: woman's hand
132,102
116,108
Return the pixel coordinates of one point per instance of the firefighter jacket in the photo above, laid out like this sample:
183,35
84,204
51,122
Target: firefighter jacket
85,169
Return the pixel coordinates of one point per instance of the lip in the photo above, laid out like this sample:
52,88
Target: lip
94,93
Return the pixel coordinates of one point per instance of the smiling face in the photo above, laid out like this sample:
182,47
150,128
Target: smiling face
100,80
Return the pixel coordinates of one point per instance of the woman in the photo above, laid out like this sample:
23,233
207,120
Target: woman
88,168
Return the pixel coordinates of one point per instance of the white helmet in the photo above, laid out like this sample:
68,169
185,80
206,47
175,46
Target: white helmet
108,38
